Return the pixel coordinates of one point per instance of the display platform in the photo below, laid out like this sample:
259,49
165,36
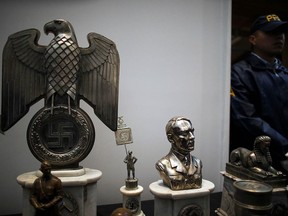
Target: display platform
132,199
279,195
244,173
181,202
79,186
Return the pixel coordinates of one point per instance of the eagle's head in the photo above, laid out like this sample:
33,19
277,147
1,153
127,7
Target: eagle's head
58,27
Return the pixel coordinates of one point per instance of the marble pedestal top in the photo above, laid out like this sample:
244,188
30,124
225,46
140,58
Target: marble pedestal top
160,190
77,177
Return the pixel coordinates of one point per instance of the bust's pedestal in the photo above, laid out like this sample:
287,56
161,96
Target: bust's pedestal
79,186
171,202
132,196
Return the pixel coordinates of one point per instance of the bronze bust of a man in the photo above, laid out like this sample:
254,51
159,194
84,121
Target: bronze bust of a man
180,170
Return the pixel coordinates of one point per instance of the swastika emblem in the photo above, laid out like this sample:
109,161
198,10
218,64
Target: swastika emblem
60,135
64,138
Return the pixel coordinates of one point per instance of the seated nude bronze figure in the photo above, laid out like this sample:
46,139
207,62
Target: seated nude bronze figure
259,160
180,170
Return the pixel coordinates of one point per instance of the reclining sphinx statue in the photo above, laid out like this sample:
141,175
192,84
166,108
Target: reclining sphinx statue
258,160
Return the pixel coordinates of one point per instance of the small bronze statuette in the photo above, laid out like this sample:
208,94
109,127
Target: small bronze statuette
61,73
130,160
180,170
47,193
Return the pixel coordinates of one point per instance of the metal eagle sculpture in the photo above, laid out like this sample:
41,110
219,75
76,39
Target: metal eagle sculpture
62,73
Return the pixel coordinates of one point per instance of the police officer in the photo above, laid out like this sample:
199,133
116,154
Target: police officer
259,91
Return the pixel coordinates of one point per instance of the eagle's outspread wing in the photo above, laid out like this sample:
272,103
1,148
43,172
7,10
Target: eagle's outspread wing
98,82
23,76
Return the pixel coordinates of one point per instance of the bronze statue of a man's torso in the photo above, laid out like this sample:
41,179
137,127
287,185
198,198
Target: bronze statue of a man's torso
176,175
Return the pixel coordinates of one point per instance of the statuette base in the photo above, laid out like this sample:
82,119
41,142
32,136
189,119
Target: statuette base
246,174
131,184
132,199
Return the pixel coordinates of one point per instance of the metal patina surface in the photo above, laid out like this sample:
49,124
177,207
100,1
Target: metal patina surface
252,198
180,170
61,73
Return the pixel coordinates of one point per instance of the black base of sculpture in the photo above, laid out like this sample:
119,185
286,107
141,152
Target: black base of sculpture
243,173
131,183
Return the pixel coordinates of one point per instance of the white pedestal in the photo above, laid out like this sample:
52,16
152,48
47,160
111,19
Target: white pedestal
132,199
170,202
80,184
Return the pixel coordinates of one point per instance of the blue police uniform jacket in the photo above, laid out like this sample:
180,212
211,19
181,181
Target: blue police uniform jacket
259,105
